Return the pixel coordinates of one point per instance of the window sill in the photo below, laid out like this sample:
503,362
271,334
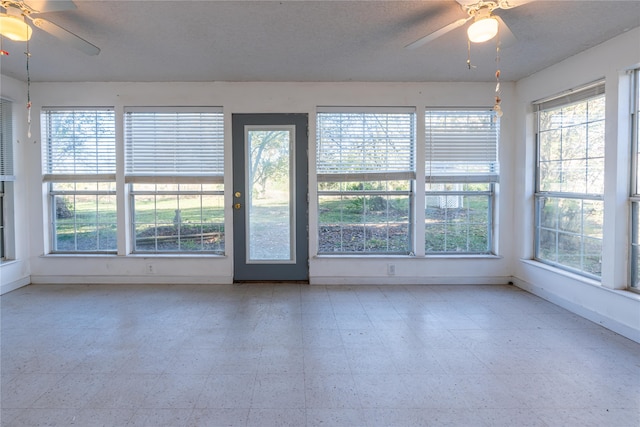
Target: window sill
383,256
181,256
560,271
626,293
72,255
132,256
463,256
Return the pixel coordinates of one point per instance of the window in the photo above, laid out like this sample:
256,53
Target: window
461,172
366,174
570,180
174,168
6,169
79,167
635,183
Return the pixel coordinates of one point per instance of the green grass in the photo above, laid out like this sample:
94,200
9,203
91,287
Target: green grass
92,227
359,209
369,224
163,209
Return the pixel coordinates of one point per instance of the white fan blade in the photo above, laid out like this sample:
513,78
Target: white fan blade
442,31
42,6
506,36
510,4
465,3
66,36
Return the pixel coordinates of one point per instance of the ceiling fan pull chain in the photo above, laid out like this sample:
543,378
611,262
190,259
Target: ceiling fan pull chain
497,108
469,66
28,53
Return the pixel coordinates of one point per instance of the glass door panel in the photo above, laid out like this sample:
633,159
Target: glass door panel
270,222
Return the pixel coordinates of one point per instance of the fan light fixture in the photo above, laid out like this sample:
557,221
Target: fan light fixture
13,27
485,27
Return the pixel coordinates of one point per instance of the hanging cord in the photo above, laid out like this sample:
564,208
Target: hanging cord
498,98
28,53
469,66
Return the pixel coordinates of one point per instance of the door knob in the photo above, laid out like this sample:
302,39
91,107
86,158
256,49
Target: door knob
237,206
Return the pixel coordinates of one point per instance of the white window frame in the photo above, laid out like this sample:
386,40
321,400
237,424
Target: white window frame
6,179
149,163
457,158
3,255
90,175
634,201
402,169
566,99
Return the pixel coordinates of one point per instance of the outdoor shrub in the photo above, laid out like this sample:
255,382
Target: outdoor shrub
62,208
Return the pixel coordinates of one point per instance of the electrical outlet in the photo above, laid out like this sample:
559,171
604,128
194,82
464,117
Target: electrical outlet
150,269
391,269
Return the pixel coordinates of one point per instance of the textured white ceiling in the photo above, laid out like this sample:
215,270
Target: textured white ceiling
185,40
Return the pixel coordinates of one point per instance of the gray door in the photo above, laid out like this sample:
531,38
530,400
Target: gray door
270,213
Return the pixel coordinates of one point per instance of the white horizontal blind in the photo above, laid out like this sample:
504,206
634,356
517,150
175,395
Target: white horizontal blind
174,142
79,142
378,145
572,96
6,141
461,146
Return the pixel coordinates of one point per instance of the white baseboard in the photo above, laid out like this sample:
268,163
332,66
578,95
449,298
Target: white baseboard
12,286
403,280
133,280
600,319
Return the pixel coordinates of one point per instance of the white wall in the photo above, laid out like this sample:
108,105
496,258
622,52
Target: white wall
259,98
15,271
605,303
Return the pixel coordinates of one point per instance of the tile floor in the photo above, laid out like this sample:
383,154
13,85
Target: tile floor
271,355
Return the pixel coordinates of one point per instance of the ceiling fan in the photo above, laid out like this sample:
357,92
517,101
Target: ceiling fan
14,26
485,26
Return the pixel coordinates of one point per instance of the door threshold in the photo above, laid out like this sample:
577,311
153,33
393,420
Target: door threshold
271,282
